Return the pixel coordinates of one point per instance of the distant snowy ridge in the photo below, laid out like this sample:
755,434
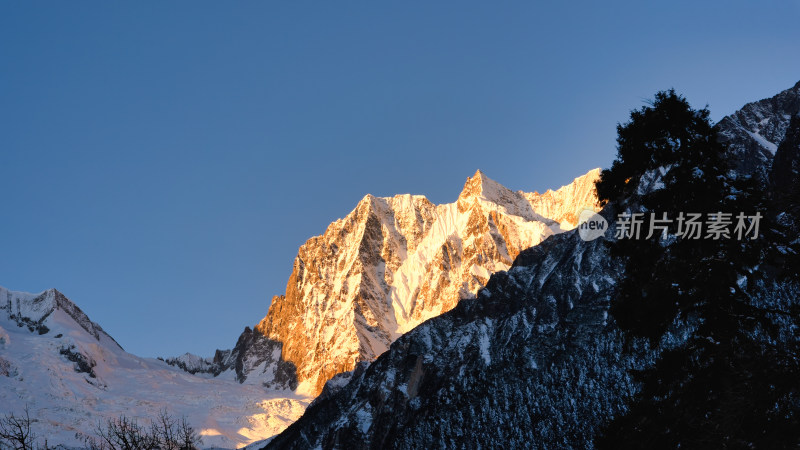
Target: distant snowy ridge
72,375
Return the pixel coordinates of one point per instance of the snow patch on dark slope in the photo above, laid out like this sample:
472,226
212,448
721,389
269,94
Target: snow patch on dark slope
754,132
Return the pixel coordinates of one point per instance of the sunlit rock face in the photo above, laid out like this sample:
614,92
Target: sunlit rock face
394,262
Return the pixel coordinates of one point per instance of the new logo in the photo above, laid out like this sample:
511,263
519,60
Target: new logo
591,225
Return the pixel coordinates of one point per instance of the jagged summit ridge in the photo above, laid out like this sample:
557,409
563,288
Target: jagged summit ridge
480,189
479,185
563,204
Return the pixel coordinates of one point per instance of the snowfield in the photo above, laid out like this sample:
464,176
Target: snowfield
73,376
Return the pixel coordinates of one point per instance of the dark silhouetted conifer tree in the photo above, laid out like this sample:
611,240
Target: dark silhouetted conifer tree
732,383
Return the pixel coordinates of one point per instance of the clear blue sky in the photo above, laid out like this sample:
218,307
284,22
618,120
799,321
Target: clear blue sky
162,161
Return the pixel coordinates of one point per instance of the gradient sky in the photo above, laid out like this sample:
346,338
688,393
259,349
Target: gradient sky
162,161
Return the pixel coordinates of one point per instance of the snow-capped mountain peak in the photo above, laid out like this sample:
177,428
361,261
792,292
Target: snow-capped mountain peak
479,185
482,190
394,262
35,311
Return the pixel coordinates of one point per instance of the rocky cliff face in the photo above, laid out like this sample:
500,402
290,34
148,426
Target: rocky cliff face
393,263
